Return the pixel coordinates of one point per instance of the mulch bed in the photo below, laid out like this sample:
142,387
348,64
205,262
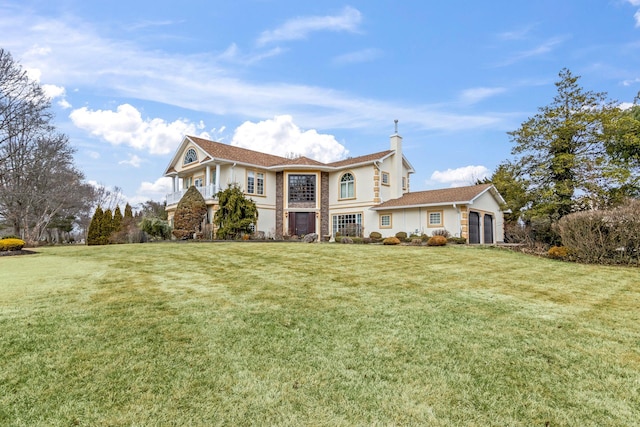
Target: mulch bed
20,252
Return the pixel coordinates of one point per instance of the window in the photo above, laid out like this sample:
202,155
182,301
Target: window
190,156
385,178
302,188
255,183
434,219
385,221
404,182
348,224
198,182
347,186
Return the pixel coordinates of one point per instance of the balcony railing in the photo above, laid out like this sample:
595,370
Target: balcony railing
208,192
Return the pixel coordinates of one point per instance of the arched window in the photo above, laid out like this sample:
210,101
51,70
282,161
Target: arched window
190,156
347,186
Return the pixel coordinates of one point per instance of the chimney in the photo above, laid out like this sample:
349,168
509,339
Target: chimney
396,164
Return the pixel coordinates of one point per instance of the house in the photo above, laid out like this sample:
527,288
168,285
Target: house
354,197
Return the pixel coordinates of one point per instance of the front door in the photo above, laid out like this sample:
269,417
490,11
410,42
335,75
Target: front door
302,223
474,227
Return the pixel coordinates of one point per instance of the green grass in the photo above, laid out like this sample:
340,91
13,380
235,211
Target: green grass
335,335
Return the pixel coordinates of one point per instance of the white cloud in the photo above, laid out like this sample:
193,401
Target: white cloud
93,154
634,2
541,49
281,136
364,55
156,190
133,160
459,177
299,28
630,82
636,16
472,96
126,126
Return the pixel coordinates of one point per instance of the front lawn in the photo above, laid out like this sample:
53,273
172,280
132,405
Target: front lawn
205,334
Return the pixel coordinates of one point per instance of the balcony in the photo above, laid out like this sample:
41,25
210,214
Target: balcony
208,192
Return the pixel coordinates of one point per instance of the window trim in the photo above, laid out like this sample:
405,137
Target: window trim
433,225
404,182
353,186
390,215
382,175
335,226
195,156
196,179
255,192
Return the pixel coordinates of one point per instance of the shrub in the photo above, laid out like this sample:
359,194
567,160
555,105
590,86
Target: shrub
402,236
607,236
437,241
391,241
457,240
357,240
367,240
346,240
424,237
558,252
416,242
441,232
190,213
375,236
11,244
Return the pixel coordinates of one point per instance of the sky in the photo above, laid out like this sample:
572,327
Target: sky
325,79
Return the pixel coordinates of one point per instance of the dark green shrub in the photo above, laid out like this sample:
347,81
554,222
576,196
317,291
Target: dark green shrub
457,240
402,236
374,235
437,241
357,240
95,228
190,213
11,244
391,241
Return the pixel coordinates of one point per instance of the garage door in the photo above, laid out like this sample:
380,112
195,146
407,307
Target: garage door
488,229
474,227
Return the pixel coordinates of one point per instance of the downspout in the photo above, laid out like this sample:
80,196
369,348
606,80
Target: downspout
455,206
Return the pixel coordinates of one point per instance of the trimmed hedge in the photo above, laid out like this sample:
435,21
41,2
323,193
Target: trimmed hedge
391,241
11,244
437,241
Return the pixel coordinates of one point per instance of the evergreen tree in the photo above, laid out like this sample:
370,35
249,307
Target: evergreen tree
117,220
190,212
562,152
128,213
235,215
95,228
106,227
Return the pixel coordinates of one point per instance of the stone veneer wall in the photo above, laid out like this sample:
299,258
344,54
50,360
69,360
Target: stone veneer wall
324,204
376,185
279,204
465,222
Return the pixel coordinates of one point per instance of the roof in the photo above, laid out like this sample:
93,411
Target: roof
445,196
219,150
361,159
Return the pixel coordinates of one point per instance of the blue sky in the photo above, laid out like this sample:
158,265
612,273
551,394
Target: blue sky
323,79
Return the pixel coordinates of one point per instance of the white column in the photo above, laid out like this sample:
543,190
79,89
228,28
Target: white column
176,184
207,177
217,177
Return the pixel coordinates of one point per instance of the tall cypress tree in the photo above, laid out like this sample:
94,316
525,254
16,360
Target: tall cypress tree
128,213
117,220
107,227
95,227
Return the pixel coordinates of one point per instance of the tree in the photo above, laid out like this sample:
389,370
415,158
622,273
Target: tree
562,152
117,219
190,213
235,215
512,188
128,212
153,209
106,226
38,180
94,235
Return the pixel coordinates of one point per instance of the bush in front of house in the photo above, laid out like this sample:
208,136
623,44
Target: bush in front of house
558,252
11,244
441,232
437,241
457,240
375,236
391,241
402,236
346,240
190,213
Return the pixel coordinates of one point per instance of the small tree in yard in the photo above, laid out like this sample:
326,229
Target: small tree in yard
117,219
236,214
190,212
94,233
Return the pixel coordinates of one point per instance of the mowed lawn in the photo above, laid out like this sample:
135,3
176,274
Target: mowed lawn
292,334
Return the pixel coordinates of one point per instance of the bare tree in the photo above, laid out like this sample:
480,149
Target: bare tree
38,180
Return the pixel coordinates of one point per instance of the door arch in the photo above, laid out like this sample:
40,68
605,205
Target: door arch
474,227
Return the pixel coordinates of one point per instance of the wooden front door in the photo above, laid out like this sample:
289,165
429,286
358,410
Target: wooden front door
302,223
